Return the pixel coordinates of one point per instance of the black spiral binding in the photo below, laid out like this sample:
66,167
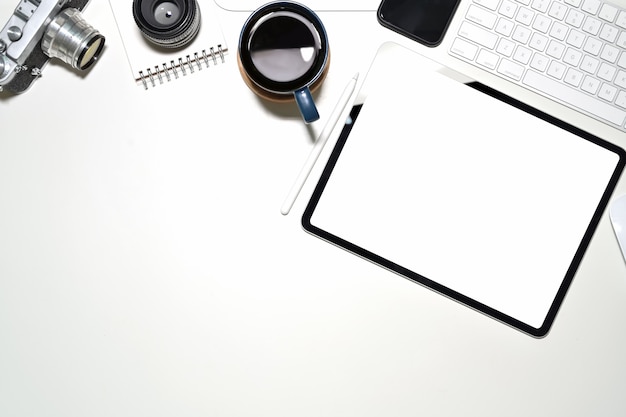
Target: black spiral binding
183,66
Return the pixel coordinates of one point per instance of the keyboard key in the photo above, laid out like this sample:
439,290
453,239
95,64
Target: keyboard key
606,72
622,60
620,79
568,94
490,4
487,59
621,99
557,10
504,27
556,70
591,6
511,69
592,25
609,33
593,46
573,77
608,12
559,31
609,53
522,34
481,16
539,62
538,42
574,18
590,85
572,57
555,49
575,38
607,92
476,34
540,5
575,3
505,47
589,64
542,23
621,40
621,19
522,55
463,48
508,9
525,16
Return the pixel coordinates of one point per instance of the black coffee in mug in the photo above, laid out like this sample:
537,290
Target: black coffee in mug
283,54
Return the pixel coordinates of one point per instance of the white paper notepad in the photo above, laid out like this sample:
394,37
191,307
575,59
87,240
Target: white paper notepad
462,192
152,66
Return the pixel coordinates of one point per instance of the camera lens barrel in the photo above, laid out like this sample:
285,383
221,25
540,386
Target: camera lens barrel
71,39
167,23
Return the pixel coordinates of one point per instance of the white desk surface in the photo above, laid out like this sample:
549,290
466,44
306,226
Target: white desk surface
146,269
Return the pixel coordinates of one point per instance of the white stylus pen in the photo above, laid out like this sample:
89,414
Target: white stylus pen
319,145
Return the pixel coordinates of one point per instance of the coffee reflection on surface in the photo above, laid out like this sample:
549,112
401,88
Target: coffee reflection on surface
283,46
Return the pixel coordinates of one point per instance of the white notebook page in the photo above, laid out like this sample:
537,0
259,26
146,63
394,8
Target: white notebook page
146,61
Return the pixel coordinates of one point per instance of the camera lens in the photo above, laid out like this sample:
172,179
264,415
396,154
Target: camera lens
167,23
71,39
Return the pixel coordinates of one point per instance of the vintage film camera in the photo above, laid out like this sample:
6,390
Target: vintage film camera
42,29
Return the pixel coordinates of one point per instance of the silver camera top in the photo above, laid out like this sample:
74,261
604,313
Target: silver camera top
42,29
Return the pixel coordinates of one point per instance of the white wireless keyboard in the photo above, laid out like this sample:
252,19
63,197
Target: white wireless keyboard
572,51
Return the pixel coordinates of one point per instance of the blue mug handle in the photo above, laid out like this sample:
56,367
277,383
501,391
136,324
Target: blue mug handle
304,99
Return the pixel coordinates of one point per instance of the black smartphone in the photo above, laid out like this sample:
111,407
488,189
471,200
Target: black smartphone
424,21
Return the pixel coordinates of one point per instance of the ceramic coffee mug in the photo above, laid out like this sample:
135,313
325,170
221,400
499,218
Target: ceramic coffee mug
283,54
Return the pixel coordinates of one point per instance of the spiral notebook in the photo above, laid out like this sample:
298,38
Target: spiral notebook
152,66
463,190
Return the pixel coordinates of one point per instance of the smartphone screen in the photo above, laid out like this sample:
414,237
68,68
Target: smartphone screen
424,21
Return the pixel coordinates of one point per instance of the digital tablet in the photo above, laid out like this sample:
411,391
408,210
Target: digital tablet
481,198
